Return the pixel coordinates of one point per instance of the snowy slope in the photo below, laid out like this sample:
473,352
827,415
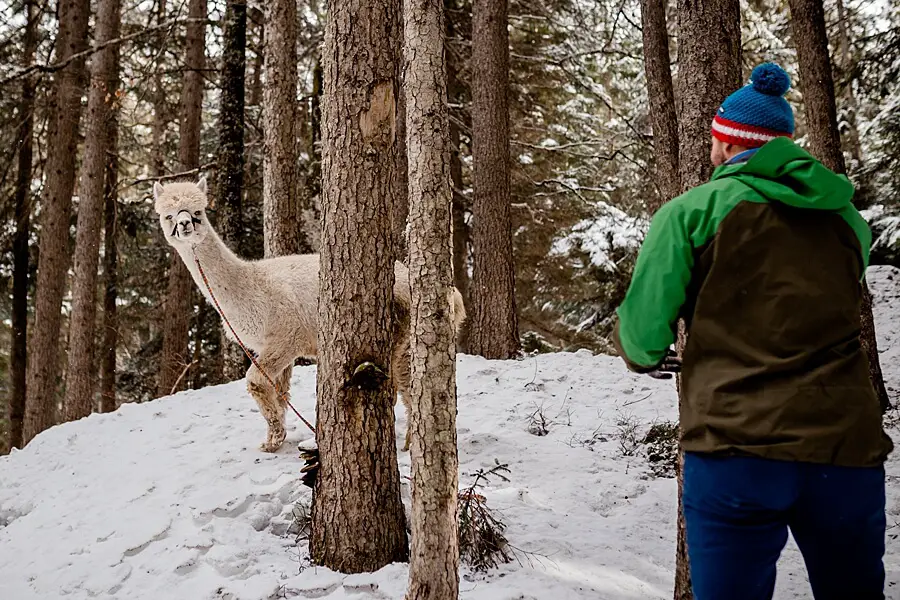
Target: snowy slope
172,499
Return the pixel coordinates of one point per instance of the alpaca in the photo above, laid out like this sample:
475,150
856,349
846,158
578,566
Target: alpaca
271,303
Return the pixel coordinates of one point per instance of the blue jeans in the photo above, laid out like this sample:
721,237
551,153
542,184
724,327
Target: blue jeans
738,510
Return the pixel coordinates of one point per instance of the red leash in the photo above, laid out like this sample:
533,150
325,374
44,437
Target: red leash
284,395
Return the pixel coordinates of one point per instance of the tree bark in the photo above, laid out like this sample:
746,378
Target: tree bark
25,144
357,517
177,309
709,58
493,331
282,219
160,112
108,402
658,73
56,207
460,229
852,104
104,83
817,81
434,556
400,215
709,69
230,163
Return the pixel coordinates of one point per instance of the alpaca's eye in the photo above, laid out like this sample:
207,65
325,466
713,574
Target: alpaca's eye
168,217
197,213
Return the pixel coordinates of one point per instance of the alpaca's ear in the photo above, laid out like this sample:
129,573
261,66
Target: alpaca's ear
202,184
157,191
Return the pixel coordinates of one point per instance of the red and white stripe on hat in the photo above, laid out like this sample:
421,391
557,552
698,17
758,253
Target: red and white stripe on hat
741,134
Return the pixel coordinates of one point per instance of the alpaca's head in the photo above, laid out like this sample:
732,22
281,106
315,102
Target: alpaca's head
182,211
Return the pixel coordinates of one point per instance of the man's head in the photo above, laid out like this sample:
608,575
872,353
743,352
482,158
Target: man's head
754,115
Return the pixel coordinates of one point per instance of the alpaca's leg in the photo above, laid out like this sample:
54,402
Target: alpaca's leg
271,402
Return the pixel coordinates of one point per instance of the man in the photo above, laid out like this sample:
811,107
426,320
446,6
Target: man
780,425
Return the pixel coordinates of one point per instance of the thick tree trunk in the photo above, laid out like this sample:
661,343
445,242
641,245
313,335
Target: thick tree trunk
400,215
56,207
434,556
709,58
230,164
658,73
282,220
177,309
709,69
357,517
104,82
110,341
493,331
25,144
817,82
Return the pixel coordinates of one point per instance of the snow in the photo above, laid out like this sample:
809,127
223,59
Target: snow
173,500
611,229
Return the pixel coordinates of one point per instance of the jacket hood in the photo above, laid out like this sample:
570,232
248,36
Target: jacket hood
781,171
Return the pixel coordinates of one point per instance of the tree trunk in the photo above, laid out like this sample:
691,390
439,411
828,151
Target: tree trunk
816,79
400,215
434,556
662,98
25,144
709,58
817,82
460,229
709,69
104,83
852,105
56,207
177,309
282,221
110,342
230,164
160,112
357,517
493,331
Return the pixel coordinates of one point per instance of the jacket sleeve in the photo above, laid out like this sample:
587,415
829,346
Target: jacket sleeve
648,317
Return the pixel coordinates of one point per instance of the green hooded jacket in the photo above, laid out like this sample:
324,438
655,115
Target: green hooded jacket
765,264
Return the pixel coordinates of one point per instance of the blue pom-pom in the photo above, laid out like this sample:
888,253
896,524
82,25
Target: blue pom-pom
770,79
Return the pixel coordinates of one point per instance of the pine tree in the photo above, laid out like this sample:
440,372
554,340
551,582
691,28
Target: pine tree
817,82
434,556
493,331
709,56
282,227
79,397
177,307
357,517
25,145
110,340
230,167
662,97
56,208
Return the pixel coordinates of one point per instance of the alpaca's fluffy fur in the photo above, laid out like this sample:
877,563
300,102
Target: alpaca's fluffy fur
270,303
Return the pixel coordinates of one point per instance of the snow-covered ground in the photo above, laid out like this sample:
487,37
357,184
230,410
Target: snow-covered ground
172,499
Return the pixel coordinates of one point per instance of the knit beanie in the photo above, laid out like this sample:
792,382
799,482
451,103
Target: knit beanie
758,112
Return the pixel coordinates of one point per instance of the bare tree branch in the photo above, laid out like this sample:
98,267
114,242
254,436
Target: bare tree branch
52,68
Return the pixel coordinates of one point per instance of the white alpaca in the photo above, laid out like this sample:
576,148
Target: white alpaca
270,303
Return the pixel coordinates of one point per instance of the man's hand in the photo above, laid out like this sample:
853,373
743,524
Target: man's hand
669,365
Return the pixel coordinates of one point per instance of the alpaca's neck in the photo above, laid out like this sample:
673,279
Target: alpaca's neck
232,280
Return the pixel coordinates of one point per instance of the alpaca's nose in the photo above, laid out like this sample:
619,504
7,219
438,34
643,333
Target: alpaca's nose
184,222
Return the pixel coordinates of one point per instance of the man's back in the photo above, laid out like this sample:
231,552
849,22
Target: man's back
769,256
